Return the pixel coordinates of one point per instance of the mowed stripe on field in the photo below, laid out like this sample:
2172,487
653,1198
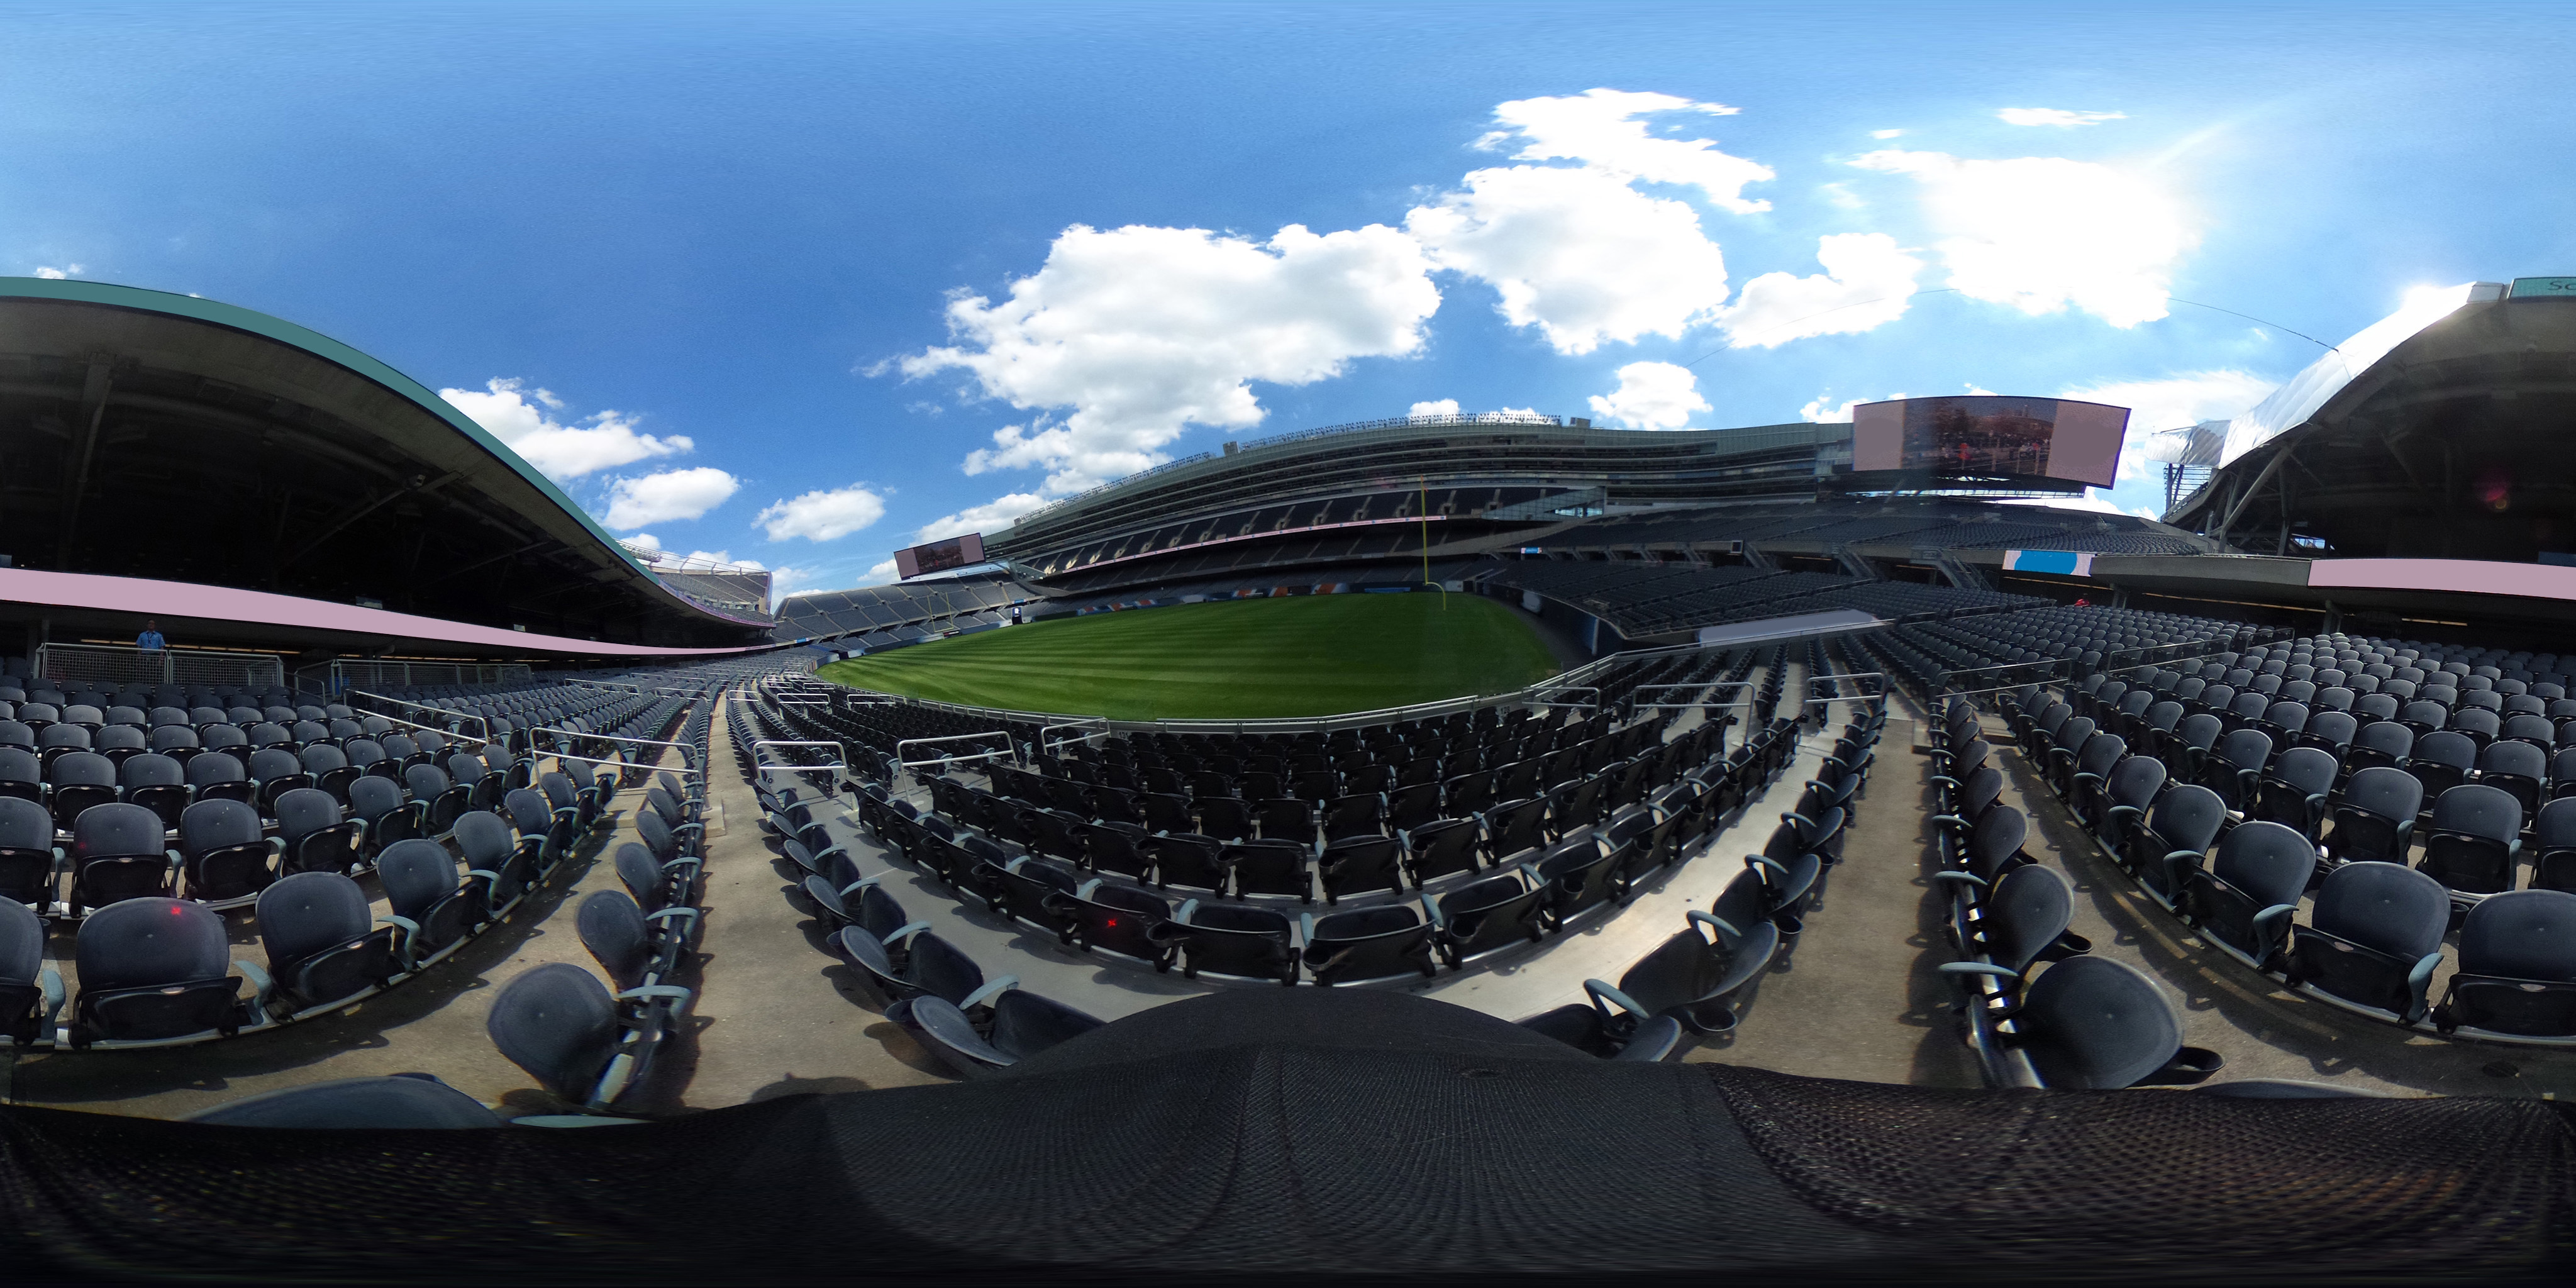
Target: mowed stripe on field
1294,656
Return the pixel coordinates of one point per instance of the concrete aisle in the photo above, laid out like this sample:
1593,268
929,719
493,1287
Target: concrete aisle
1861,996
775,1013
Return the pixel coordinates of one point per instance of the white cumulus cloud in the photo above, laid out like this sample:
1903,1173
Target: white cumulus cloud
1123,338
2045,233
992,516
1600,129
52,273
1651,395
1441,407
1866,284
522,418
822,515
668,496
2056,116
1823,410
880,574
1577,253
644,539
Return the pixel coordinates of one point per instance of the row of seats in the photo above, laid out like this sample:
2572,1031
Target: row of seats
2375,929
1112,914
591,1042
2040,1010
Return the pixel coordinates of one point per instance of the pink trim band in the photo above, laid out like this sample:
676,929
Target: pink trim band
143,597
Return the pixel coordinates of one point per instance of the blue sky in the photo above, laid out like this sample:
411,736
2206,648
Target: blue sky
803,283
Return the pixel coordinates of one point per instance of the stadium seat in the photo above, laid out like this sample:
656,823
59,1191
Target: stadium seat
31,992
558,1023
1694,978
153,969
1364,944
2473,839
2373,939
2245,899
1230,940
30,866
116,853
1487,915
1022,1024
2517,969
322,947
313,837
2090,1023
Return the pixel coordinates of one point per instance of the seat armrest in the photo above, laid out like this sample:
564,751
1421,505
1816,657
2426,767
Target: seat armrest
1978,968
991,990
612,1083
1604,997
262,988
1696,917
409,928
1955,876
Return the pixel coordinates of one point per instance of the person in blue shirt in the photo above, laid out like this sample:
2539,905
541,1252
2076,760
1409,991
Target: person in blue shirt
150,640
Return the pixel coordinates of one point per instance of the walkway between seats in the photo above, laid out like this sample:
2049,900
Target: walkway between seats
775,1014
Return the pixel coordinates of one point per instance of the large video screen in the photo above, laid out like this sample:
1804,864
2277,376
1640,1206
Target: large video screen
1986,436
940,556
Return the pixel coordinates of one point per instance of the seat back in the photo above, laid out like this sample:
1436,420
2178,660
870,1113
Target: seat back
2095,1024
2384,907
2026,912
557,1023
612,928
307,914
149,942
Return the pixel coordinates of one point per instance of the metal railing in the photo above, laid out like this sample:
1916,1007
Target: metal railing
349,674
685,770
126,664
1696,686
1092,728
1012,751
762,769
443,733
688,750
485,736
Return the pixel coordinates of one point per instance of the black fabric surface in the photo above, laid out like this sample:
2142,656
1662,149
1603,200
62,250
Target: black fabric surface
1448,1152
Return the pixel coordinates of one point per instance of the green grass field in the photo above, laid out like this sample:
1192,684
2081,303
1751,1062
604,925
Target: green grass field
1300,656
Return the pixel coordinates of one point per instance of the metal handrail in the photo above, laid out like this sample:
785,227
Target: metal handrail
443,733
1049,744
685,770
688,750
1746,704
762,768
1005,735
1695,685
423,706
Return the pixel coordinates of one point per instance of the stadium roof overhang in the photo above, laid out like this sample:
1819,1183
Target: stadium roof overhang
151,435
2442,431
